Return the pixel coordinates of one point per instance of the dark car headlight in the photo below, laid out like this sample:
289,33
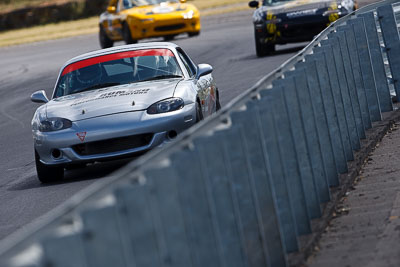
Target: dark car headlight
166,105
54,124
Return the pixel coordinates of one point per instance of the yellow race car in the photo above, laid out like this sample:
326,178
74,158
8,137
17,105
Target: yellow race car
133,20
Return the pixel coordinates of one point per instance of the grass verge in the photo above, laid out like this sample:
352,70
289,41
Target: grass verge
90,25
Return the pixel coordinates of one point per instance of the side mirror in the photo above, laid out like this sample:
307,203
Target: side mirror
39,97
203,69
182,1
111,9
254,4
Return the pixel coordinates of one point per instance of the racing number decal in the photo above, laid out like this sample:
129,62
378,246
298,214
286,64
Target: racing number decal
333,16
271,27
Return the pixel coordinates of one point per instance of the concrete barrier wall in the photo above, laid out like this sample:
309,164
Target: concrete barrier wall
241,188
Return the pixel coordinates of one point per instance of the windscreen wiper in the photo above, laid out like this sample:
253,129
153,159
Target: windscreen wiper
160,77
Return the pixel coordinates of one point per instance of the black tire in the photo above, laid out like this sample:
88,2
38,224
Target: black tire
168,38
193,34
199,114
218,107
48,174
127,35
105,41
263,49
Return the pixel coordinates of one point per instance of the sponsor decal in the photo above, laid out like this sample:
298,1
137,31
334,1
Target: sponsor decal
301,13
112,95
121,55
81,136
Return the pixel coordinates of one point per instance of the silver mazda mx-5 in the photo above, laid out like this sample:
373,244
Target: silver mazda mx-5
119,102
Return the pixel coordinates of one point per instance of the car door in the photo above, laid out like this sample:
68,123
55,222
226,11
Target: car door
205,91
113,23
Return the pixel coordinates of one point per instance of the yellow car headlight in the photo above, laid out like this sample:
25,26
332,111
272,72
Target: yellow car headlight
147,20
188,15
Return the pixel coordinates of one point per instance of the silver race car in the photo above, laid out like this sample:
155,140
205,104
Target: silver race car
119,102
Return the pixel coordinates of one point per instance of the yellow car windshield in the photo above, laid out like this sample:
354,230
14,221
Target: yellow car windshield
133,3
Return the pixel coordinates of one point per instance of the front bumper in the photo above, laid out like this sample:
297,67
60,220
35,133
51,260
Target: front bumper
294,30
111,127
164,27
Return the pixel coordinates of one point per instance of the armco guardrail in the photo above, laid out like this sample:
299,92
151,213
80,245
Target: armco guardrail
240,188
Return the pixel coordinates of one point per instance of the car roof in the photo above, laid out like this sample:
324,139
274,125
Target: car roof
122,48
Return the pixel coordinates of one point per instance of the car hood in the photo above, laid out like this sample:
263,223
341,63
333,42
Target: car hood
297,5
106,101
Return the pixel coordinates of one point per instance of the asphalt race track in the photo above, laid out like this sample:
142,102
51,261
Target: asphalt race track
226,42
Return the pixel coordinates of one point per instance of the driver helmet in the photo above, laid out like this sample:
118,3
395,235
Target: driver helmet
89,75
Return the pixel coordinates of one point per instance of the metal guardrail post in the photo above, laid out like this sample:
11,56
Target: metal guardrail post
330,112
333,87
367,72
358,79
220,198
303,158
164,204
378,66
100,232
344,89
289,157
321,121
311,134
196,211
262,240
351,84
62,251
139,226
256,156
391,39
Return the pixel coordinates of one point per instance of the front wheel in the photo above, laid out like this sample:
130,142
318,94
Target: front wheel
105,41
127,35
263,49
168,38
193,34
218,104
199,114
46,173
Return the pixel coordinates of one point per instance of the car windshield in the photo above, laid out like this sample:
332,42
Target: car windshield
116,69
133,3
274,2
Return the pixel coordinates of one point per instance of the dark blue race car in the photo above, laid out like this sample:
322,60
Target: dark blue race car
289,21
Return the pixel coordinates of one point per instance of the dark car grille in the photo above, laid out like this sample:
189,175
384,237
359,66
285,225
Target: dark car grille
299,30
113,145
170,27
302,30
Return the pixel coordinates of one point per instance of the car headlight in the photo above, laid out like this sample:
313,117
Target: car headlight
329,12
347,4
147,20
258,17
54,124
188,15
167,105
